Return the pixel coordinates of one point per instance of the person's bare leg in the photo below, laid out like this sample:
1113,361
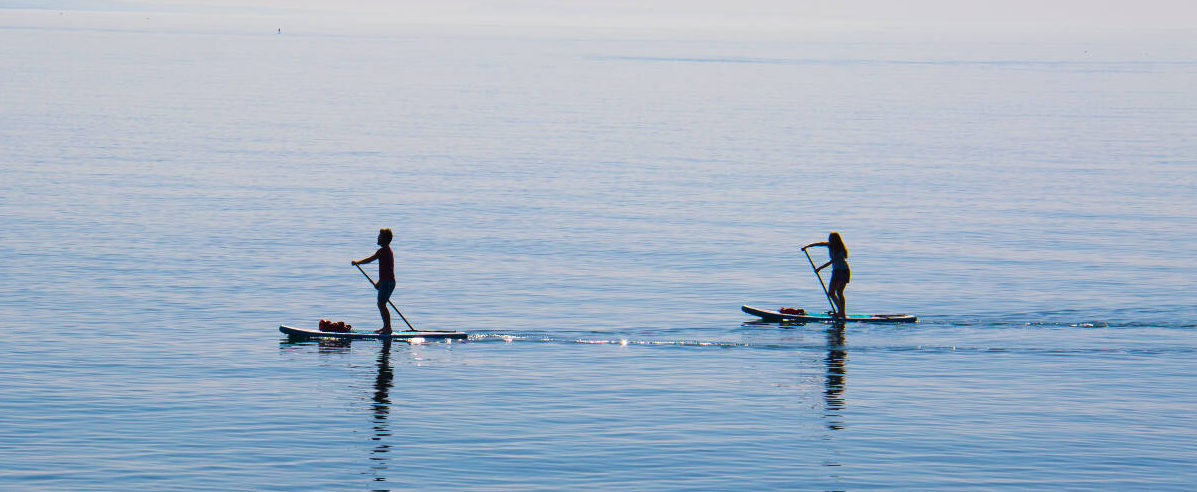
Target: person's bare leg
386,317
837,297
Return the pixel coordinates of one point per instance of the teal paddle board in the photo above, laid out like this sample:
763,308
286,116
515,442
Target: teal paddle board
369,335
776,316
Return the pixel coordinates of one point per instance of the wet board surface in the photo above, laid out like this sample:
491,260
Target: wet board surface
397,335
770,315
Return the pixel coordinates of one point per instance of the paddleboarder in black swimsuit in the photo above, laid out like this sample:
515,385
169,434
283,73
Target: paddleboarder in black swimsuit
840,273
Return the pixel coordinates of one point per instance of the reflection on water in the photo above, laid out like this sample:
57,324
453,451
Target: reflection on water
381,411
380,407
332,346
835,361
835,373
833,390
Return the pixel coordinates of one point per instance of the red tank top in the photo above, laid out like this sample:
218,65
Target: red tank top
386,264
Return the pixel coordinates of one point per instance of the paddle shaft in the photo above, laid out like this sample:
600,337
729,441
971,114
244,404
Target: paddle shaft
821,284
375,284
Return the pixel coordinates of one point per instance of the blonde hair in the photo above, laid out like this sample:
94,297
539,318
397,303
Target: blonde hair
835,241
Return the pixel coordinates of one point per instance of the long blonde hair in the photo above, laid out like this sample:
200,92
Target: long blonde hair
836,242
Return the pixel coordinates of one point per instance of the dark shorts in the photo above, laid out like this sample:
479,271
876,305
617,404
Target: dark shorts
385,288
841,276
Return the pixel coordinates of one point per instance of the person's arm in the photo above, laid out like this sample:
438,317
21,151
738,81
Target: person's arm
822,267
368,260
822,243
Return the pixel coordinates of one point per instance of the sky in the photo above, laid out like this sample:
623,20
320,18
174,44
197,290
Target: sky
1169,14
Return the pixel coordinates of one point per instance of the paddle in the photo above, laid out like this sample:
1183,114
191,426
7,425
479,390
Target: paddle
375,284
821,284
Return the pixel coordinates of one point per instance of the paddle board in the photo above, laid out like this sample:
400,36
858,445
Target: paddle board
769,315
367,335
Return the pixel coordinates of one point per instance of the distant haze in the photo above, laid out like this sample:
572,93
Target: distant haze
762,14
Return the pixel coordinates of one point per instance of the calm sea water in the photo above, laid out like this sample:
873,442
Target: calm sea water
594,206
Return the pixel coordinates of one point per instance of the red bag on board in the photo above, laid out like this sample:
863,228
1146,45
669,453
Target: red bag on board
335,326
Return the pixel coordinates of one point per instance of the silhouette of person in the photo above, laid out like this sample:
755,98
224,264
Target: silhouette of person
386,276
840,272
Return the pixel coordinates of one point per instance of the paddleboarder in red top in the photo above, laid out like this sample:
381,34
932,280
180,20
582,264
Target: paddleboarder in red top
840,273
386,276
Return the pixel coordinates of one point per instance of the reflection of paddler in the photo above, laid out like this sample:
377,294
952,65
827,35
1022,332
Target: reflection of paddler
382,383
833,397
840,273
382,408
